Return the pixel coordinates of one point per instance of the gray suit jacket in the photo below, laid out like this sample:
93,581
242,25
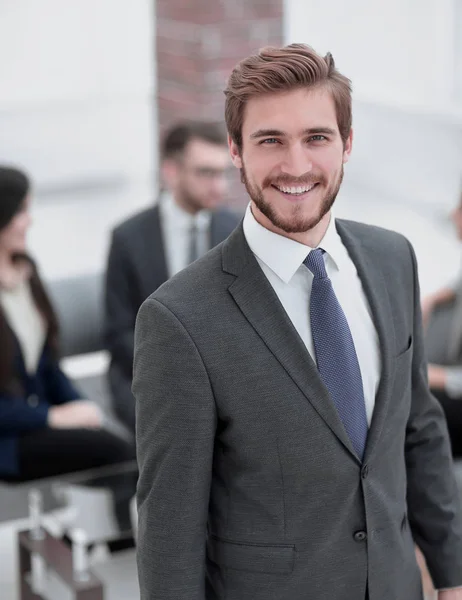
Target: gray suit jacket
249,487
136,267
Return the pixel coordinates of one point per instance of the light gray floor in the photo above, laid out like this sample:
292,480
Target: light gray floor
91,510
118,575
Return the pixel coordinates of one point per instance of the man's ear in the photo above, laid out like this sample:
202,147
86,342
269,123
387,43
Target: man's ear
169,170
235,153
348,147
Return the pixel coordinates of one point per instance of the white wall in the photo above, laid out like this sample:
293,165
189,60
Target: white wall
77,111
76,83
387,47
405,61
457,27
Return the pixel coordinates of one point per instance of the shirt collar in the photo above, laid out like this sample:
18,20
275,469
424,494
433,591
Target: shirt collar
283,255
180,217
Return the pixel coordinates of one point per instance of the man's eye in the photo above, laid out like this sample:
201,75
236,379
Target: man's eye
318,138
269,141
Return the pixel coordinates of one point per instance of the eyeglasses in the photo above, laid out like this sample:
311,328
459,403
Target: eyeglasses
211,173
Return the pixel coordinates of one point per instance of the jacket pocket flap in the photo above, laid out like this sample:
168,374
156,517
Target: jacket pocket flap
252,557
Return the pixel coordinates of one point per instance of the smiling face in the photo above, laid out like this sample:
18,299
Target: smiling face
291,158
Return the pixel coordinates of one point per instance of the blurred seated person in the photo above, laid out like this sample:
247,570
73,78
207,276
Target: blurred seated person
46,429
442,317
158,242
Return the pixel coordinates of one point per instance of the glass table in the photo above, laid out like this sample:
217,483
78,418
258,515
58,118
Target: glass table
69,517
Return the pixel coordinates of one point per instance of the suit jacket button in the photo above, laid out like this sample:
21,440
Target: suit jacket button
33,400
360,536
365,472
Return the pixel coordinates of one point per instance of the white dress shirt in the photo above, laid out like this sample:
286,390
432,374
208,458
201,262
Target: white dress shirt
281,260
26,322
176,226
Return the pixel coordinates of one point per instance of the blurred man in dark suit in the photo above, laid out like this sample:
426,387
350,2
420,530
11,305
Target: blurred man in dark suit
158,242
442,312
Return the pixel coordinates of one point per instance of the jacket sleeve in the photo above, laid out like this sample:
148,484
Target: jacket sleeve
434,504
120,316
59,388
176,423
16,416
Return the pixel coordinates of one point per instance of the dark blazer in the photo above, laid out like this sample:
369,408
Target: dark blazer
27,410
249,487
137,267
443,336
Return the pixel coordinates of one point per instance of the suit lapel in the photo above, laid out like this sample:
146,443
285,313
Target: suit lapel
219,227
216,234
260,305
152,261
365,258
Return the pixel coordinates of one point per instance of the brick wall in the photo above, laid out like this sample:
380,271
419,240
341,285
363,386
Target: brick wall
198,43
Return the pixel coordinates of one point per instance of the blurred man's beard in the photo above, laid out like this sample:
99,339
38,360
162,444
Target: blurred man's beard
296,222
189,201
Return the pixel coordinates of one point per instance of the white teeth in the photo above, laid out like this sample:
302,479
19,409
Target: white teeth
295,190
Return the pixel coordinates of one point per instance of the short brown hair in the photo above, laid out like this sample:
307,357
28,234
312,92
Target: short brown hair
284,69
179,135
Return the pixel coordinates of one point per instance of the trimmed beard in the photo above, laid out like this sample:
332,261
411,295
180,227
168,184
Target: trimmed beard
297,224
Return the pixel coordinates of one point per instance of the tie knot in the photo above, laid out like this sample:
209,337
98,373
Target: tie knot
315,263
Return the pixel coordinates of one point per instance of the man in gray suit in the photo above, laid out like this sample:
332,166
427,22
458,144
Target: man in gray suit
288,445
158,242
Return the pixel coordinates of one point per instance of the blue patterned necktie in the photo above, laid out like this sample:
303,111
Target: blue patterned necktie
335,352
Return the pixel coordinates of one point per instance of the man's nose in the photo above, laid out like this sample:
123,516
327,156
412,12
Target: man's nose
297,161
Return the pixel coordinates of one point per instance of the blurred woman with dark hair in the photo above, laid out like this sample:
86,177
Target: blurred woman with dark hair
46,428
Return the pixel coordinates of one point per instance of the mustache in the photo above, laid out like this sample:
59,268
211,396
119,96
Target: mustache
286,180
